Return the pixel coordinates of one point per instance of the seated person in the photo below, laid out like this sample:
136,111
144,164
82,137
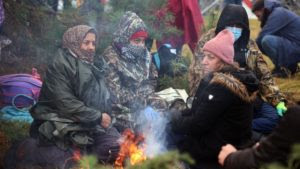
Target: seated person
72,113
247,55
275,148
222,109
131,76
279,38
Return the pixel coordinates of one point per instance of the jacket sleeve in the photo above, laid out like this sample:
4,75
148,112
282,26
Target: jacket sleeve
268,89
61,89
275,148
267,119
209,110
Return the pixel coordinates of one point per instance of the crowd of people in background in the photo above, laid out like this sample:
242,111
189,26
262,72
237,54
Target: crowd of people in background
238,119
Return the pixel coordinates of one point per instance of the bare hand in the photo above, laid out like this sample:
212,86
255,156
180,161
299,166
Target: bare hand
106,120
225,151
256,145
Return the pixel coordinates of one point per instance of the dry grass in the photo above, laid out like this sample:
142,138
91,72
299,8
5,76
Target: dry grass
289,86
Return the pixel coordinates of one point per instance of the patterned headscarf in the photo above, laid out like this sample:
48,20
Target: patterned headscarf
137,58
129,24
73,38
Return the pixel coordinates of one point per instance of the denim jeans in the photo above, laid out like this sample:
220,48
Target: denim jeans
270,44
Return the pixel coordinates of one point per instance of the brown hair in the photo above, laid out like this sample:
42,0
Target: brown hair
259,4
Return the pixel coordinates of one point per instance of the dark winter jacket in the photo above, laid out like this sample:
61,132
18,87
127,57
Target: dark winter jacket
221,113
275,148
72,99
229,17
265,117
285,24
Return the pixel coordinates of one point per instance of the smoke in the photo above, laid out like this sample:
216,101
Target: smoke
152,125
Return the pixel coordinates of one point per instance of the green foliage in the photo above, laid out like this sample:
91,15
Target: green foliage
36,29
177,82
153,12
14,130
211,20
91,162
169,160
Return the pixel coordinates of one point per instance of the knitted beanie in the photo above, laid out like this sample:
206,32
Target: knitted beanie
222,46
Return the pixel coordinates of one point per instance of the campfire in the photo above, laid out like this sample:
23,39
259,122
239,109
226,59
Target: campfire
132,149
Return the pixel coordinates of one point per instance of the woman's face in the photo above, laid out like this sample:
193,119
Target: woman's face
89,43
211,63
140,41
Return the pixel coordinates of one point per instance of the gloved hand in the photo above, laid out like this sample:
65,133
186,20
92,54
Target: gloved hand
281,109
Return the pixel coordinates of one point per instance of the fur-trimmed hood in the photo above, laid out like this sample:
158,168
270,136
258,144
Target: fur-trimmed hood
242,83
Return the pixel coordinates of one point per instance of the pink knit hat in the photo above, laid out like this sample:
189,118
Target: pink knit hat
222,46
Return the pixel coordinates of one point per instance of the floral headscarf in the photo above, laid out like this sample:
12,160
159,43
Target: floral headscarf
73,38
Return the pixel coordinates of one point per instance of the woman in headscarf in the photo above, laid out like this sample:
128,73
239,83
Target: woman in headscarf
72,113
132,76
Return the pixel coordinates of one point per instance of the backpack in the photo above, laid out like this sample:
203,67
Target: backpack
165,60
19,90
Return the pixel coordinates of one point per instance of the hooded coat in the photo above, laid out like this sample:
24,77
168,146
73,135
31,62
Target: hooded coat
246,54
131,77
73,95
285,24
221,113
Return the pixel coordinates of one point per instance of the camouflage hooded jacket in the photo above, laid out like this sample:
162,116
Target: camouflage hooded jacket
131,76
268,90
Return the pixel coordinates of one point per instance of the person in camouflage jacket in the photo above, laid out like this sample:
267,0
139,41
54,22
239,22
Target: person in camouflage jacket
132,76
246,54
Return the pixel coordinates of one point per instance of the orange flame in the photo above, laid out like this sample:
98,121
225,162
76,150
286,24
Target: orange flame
76,155
130,149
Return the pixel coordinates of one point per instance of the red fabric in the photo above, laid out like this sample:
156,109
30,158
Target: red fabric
188,18
139,34
222,46
248,3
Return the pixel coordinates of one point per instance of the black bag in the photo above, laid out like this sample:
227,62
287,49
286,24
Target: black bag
165,59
